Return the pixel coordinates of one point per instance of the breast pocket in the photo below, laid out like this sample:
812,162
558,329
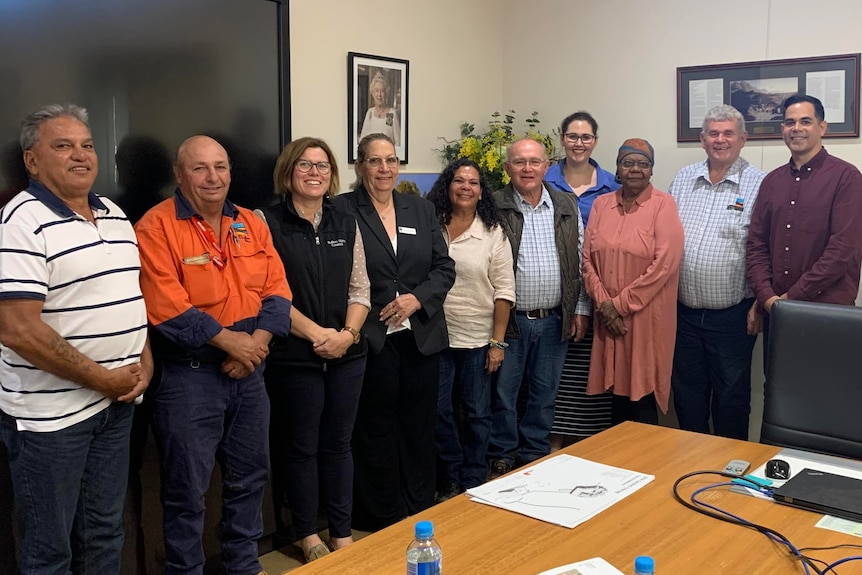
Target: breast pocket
732,225
202,283
252,267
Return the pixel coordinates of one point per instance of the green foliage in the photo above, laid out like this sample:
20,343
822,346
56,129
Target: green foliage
408,187
488,149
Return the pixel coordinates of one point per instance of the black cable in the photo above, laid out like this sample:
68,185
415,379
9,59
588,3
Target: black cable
767,531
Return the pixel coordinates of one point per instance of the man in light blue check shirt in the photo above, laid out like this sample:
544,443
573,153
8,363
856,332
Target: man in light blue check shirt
718,320
545,230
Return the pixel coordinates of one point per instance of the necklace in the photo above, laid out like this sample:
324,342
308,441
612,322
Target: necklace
385,214
390,207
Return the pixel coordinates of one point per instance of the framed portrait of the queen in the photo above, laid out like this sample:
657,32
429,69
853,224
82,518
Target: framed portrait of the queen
376,101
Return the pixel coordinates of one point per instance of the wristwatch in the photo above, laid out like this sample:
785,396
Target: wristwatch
354,332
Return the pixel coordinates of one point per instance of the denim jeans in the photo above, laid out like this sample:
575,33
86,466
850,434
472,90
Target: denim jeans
201,416
70,487
712,370
312,424
464,380
539,353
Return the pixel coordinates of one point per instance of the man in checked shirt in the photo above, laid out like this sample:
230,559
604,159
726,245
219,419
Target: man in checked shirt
717,316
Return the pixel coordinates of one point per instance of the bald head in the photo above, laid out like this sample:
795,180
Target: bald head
526,164
195,144
203,174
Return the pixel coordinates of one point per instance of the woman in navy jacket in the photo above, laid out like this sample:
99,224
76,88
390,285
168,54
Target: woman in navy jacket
410,273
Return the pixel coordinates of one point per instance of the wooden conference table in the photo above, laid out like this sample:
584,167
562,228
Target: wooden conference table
479,539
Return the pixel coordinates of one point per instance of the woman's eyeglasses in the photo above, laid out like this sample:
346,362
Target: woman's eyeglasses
642,164
573,138
376,162
305,166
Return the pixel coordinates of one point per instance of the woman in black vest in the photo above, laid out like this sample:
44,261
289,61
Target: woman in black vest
315,375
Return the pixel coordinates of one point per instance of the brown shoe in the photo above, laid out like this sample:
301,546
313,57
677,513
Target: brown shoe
316,552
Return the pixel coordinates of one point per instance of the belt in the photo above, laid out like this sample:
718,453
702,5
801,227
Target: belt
538,313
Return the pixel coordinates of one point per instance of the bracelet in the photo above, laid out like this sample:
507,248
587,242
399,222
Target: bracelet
498,344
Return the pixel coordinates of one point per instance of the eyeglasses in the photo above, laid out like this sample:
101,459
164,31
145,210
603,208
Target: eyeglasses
376,162
642,164
573,138
532,162
306,165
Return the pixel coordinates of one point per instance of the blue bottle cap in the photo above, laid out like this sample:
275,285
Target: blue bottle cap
644,564
424,530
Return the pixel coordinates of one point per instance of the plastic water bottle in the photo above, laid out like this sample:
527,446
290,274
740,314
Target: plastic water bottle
644,565
424,556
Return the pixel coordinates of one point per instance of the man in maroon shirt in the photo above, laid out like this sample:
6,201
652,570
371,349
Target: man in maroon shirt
805,239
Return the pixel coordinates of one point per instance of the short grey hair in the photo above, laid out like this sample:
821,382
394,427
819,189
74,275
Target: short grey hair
30,125
723,113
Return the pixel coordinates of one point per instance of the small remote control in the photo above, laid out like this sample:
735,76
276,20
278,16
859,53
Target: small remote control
737,467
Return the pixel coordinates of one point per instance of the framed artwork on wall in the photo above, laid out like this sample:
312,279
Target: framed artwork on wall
377,100
757,90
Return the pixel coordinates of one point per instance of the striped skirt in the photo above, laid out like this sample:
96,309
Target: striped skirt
576,413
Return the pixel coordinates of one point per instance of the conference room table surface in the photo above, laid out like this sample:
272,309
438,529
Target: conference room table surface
480,539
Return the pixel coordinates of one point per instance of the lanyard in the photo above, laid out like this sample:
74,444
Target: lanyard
217,256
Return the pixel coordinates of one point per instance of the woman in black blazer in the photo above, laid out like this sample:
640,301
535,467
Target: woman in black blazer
410,273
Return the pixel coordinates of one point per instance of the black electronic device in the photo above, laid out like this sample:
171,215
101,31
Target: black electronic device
823,492
777,469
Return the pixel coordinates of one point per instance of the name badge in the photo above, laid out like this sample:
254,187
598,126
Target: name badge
406,230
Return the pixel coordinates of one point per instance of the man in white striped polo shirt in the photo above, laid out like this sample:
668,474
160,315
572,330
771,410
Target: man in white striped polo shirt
74,352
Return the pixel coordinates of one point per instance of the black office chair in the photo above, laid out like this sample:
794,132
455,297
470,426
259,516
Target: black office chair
813,391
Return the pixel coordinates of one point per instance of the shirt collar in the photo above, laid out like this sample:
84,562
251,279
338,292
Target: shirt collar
545,199
50,199
604,179
642,199
186,211
734,173
813,163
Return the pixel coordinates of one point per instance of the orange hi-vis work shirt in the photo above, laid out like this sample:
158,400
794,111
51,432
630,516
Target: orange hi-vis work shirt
195,285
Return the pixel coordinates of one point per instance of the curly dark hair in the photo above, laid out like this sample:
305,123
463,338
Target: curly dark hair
439,195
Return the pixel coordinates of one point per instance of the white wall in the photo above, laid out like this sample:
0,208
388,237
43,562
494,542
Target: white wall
456,70
618,59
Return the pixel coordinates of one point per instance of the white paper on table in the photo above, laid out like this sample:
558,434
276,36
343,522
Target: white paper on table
840,525
594,566
564,490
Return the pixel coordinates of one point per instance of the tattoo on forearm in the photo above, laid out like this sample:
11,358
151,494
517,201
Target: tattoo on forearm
64,351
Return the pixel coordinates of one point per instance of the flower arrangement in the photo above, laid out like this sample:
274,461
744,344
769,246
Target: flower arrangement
488,149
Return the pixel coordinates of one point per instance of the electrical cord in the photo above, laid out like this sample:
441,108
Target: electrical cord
831,566
716,513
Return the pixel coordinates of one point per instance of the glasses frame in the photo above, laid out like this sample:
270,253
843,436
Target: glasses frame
638,163
327,166
377,162
574,138
521,163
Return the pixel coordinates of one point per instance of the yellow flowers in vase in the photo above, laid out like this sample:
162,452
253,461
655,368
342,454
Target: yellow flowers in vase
488,149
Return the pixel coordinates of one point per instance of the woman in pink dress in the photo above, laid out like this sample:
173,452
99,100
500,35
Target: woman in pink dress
632,250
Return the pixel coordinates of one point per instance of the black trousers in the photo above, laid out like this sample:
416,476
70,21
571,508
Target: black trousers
393,441
644,410
313,412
